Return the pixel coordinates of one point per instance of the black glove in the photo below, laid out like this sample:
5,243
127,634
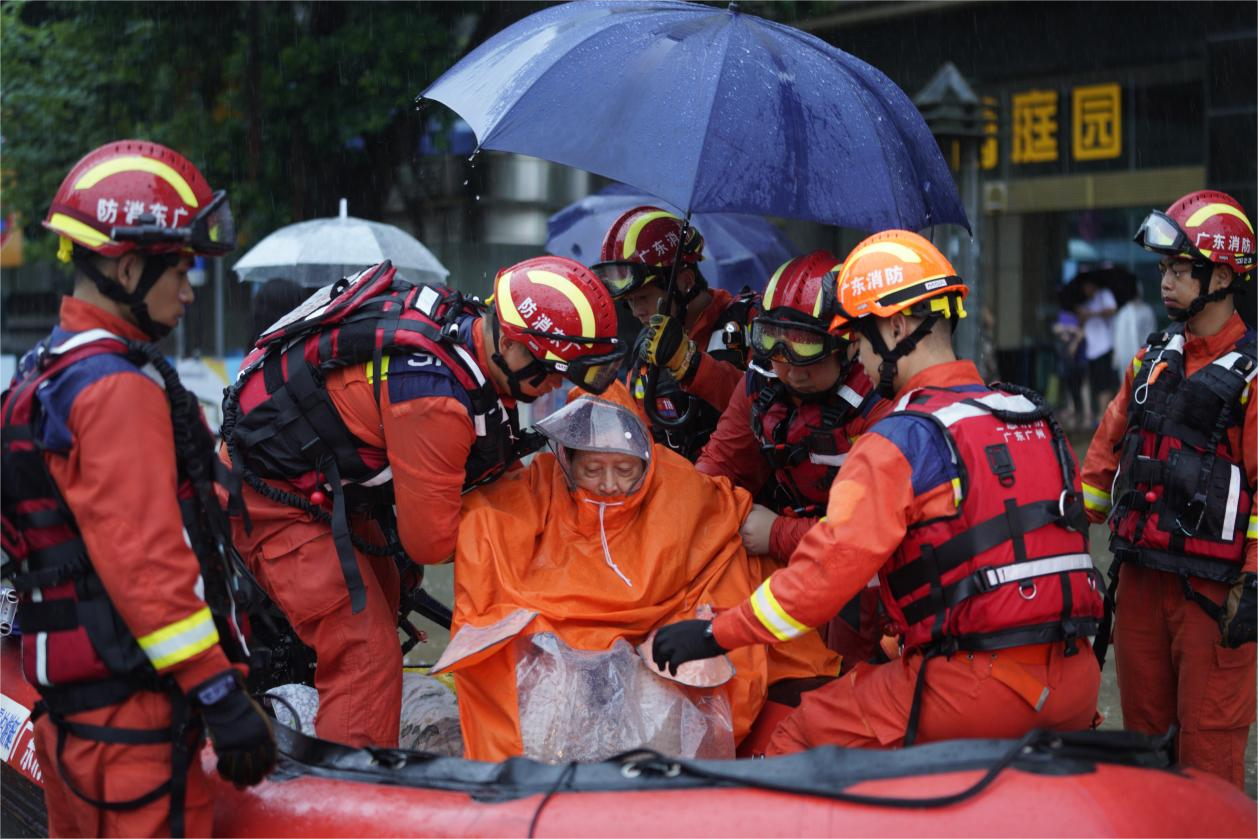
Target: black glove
239,730
684,641
666,344
1239,620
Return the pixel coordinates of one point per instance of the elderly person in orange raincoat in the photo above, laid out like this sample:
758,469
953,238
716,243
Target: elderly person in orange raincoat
562,573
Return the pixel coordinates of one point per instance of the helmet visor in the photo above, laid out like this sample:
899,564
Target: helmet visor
798,343
1161,234
594,373
212,232
622,278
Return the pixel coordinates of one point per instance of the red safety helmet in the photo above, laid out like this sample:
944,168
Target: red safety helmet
797,307
557,308
640,243
139,195
1203,226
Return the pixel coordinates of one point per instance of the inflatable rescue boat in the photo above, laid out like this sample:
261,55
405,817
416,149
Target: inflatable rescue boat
1046,784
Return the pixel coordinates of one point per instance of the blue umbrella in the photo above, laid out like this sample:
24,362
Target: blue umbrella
739,250
710,109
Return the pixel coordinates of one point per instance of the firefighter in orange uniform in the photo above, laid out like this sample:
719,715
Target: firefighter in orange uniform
964,502
111,519
334,426
1172,465
702,350
788,429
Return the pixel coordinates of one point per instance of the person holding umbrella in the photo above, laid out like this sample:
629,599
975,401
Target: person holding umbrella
392,397
697,335
965,502
1173,467
788,429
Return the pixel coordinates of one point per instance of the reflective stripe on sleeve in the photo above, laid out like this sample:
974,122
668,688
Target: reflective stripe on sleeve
1096,499
1252,531
773,616
180,640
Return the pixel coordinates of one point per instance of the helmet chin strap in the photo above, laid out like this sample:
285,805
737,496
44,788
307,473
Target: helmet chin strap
891,356
1201,272
532,374
154,266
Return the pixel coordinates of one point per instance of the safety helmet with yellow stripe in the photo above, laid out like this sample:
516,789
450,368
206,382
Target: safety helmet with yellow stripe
896,272
137,196
640,248
1208,228
796,309
564,316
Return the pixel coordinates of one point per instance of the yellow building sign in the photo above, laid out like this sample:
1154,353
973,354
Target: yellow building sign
1034,127
989,151
1097,122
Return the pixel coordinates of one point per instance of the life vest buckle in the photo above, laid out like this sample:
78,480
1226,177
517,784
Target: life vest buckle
1197,503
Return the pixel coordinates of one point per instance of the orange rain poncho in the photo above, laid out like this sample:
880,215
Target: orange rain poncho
529,544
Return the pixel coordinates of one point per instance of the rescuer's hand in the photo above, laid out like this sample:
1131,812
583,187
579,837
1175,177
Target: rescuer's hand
756,530
667,345
1239,620
238,728
684,641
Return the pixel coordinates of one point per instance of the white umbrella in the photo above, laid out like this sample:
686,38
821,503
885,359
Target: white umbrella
317,252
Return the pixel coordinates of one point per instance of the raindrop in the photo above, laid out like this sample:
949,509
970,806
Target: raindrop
478,196
465,180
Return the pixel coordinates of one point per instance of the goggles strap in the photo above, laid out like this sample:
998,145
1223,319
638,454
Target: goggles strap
154,266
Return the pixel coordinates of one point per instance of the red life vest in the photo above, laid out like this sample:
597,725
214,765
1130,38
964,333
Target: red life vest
1182,498
280,423
806,443
76,649
1011,566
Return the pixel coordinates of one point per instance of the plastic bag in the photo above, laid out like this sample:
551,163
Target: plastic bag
429,722
586,705
430,717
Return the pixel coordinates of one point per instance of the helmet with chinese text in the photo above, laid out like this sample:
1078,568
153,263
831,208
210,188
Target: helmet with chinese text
1206,225
565,317
639,242
139,195
896,272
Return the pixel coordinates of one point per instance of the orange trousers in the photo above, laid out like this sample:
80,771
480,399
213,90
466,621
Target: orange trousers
359,672
115,772
1173,671
966,696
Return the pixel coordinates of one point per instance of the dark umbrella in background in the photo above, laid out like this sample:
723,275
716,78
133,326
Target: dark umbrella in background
739,250
710,109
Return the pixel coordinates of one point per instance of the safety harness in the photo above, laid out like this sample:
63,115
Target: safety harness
1011,567
1181,494
727,342
280,424
804,443
76,649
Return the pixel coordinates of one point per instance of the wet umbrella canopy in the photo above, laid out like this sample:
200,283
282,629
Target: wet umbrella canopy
710,109
739,250
318,252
